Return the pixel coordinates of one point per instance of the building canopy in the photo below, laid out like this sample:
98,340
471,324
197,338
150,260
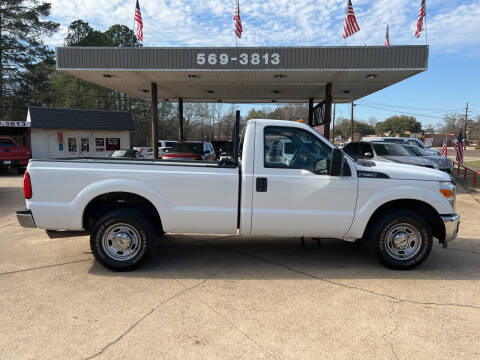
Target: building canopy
245,75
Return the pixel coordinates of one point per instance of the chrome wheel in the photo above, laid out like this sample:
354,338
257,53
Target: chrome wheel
403,241
121,242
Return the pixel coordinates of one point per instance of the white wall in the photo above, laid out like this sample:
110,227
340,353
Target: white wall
45,142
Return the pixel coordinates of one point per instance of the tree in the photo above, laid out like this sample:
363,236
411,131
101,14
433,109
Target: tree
399,125
256,114
360,128
122,36
81,34
372,121
430,129
21,29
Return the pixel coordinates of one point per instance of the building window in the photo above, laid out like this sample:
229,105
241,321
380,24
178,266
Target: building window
85,144
99,144
113,144
72,144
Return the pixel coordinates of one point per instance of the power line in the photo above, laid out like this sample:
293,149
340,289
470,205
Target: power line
415,108
402,112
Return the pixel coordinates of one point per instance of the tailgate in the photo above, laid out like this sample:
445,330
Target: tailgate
13,153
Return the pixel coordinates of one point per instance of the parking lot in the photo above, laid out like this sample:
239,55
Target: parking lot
223,297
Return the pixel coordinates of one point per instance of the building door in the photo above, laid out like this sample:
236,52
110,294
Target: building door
72,146
53,146
85,148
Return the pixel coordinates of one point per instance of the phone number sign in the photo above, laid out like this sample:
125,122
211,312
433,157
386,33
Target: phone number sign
243,58
14,123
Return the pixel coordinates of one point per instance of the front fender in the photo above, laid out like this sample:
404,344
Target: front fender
372,194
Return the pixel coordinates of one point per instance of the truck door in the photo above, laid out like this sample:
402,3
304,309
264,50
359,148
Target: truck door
297,196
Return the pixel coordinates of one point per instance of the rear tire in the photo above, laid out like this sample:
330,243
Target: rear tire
400,239
123,239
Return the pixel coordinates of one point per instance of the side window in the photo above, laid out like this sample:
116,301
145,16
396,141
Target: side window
352,149
293,148
364,149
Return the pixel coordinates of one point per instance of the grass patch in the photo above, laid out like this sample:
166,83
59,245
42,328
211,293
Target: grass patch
473,164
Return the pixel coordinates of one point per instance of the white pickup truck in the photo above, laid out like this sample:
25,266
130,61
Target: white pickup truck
318,192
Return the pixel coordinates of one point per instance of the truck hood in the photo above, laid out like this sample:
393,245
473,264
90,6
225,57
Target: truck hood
412,160
400,171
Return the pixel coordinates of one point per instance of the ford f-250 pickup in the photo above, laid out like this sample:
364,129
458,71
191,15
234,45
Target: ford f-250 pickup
396,209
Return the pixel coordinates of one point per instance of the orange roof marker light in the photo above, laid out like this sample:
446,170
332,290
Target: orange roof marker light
300,120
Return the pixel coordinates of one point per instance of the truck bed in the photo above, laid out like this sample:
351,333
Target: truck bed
193,196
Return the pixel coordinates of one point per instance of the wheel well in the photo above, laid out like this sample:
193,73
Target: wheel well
105,203
424,210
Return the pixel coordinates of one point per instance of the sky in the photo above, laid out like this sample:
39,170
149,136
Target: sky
453,28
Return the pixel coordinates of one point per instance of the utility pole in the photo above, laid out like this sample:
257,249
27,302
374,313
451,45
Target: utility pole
466,117
352,120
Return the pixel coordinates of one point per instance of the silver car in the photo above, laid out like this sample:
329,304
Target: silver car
444,163
403,141
385,151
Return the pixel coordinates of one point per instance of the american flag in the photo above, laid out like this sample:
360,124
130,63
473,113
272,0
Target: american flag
459,148
421,14
444,147
350,27
237,21
387,37
138,19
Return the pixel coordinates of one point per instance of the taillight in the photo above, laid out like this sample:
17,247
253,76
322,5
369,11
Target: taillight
27,186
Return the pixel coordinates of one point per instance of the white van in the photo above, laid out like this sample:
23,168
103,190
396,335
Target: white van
165,145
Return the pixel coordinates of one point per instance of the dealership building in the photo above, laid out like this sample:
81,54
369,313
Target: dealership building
57,133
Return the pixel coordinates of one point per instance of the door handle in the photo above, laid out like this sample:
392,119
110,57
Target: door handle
262,184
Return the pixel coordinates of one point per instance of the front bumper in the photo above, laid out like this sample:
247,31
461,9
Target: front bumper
25,218
452,226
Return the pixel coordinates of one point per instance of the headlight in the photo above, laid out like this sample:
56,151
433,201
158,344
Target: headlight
448,190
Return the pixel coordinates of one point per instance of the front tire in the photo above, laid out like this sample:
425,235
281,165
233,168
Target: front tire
123,239
400,239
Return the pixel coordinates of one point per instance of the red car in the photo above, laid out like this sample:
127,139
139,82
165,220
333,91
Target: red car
13,156
190,150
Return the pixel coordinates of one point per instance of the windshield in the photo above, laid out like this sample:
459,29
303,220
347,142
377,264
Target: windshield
390,150
417,143
415,151
196,148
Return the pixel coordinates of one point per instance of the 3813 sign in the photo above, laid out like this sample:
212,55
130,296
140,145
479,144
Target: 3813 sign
14,123
242,59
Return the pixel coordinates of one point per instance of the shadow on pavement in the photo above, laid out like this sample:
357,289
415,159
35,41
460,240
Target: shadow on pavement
202,257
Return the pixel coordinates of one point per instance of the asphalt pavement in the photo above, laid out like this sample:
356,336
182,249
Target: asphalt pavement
214,297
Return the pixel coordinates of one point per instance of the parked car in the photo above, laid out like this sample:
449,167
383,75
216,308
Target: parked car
385,151
147,152
165,145
403,141
443,163
190,150
13,156
397,209
128,153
